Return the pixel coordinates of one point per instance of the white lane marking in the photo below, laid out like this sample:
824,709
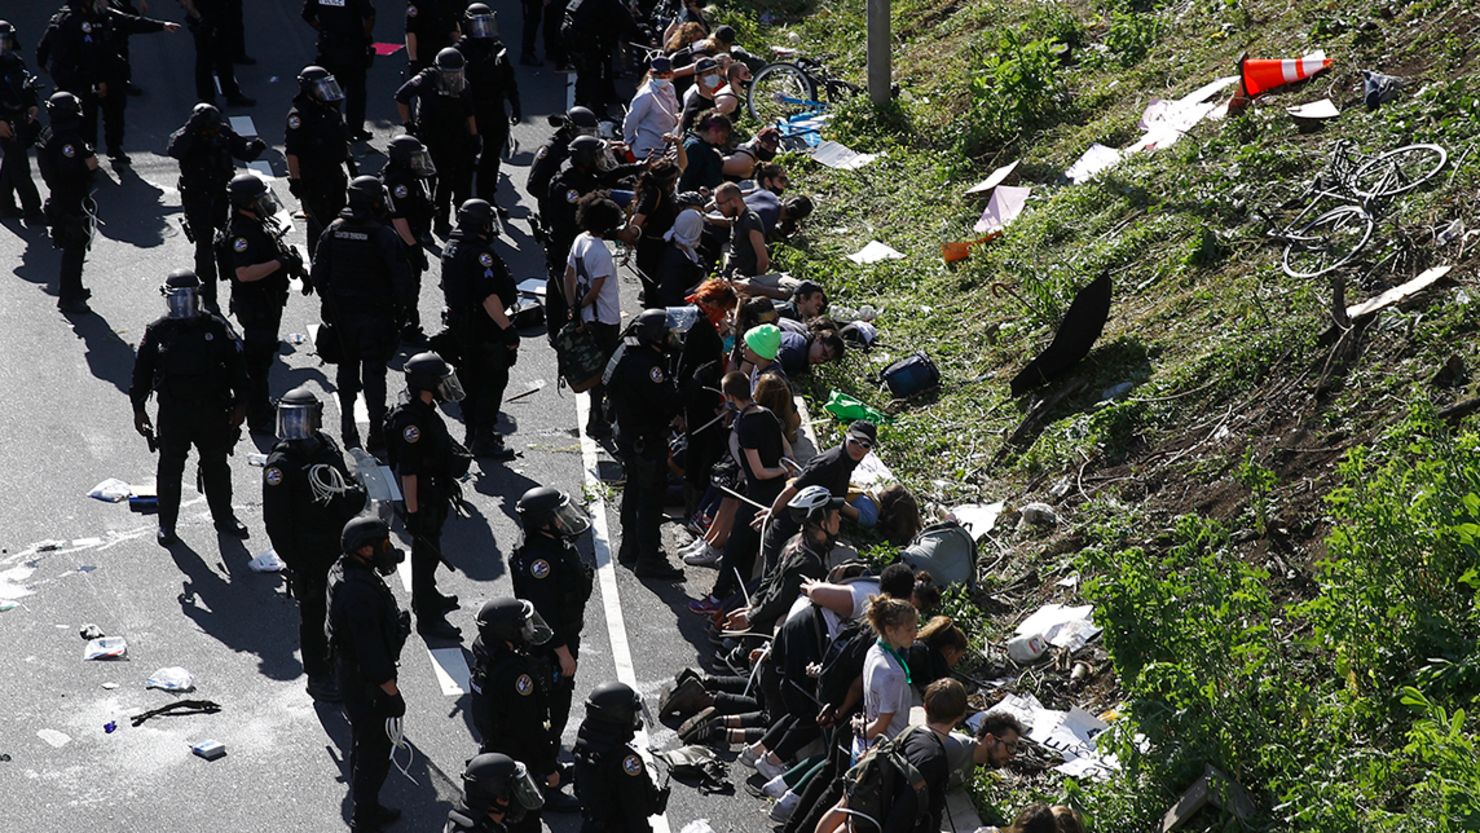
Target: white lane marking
452,671
404,570
616,627
243,126
570,95
362,411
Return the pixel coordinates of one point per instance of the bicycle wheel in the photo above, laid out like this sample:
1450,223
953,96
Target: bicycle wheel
1327,242
780,91
1398,171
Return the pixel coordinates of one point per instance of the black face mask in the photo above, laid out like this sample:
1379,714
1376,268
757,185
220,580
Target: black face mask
386,558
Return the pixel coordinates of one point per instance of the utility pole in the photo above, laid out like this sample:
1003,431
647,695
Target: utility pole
880,69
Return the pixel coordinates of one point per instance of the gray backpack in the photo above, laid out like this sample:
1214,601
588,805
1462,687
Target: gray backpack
946,551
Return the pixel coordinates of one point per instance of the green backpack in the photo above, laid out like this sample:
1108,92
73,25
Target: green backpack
870,783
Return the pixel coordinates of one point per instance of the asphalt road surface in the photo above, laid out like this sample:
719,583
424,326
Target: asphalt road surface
70,561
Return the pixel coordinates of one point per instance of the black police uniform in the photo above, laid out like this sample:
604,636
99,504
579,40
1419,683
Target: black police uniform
591,31
442,125
83,50
63,159
472,272
511,706
549,574
491,79
617,794
558,206
461,821
304,525
547,161
366,631
214,51
344,49
18,103
257,305
646,400
418,444
195,366
363,281
410,200
434,23
317,135
205,168
551,13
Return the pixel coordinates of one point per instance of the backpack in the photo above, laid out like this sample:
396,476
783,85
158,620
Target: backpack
910,375
578,356
870,784
698,766
946,551
842,662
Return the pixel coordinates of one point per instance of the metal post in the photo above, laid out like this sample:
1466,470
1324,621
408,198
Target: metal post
880,71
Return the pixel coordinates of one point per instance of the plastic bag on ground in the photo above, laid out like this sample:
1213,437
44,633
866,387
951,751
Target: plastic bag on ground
173,678
105,647
848,409
267,562
697,826
111,490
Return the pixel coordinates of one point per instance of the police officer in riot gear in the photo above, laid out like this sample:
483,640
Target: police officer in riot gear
548,572
589,168
480,293
210,23
345,50
431,26
259,265
444,121
307,498
615,789
428,463
511,693
498,794
578,121
366,631
193,361
206,146
363,281
591,31
68,165
316,145
19,105
83,50
406,173
646,400
491,78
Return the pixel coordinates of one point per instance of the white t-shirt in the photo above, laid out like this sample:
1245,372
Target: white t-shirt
597,259
862,590
885,690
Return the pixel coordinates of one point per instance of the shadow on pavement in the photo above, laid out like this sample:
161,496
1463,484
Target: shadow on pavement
241,609
108,356
145,223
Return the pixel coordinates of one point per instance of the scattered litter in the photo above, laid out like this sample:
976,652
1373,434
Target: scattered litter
535,387
697,826
1062,626
7,605
1060,489
1398,293
1040,514
110,727
871,473
384,49
1071,734
267,562
297,338
960,250
1098,158
1167,121
1002,176
91,631
179,708
5,758
105,647
173,678
1214,788
1071,580
109,686
209,749
50,546
1004,207
849,408
1314,111
257,459
1027,648
874,252
1379,89
837,155
111,490
978,518
53,737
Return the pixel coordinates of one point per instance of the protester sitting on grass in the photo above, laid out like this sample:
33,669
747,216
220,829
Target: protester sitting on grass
798,352
886,676
1041,818
758,351
939,647
654,111
775,394
682,265
655,211
748,254
749,157
833,469
807,301
705,162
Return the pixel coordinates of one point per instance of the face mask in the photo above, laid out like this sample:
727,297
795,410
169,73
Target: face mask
386,558
662,84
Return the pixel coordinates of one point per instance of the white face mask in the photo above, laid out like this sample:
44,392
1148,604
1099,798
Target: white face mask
662,84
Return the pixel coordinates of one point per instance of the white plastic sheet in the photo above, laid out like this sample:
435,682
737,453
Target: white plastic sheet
1315,110
979,519
1098,158
840,156
993,179
111,490
875,252
173,678
1004,207
1062,625
267,562
105,647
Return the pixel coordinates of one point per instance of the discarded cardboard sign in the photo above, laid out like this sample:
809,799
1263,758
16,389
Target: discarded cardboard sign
875,252
1063,626
978,518
1314,111
1072,734
1167,121
1398,293
1004,207
837,155
1004,175
1095,160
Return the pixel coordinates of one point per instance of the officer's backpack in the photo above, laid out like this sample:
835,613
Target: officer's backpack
910,375
946,551
870,784
842,662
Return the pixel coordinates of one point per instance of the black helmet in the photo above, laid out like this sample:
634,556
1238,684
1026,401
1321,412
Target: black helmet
508,619
651,328
320,85
9,42
542,506
451,70
205,116
494,780
299,414
181,291
63,106
250,193
615,703
479,21
363,531
582,120
584,150
408,152
366,193
475,215
430,372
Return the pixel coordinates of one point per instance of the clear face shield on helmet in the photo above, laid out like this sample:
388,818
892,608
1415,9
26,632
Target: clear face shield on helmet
450,389
523,791
570,520
534,631
452,80
265,205
7,44
327,90
181,302
297,422
421,164
605,159
481,26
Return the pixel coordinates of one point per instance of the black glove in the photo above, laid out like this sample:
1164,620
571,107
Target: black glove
510,335
419,258
413,522
292,261
391,705
255,147
295,187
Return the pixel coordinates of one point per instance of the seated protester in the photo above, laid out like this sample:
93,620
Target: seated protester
886,677
685,60
808,301
591,287
752,313
654,111
747,255
793,211
709,81
749,157
681,266
774,394
656,207
701,158
899,515
910,811
1041,818
758,355
799,352
832,469
938,648
815,509
765,199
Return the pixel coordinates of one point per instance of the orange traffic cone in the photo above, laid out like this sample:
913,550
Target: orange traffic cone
1261,76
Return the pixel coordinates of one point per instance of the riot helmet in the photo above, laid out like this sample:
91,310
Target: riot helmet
451,70
205,118
299,414
616,704
582,121
181,291
479,21
494,781
370,531
408,152
508,619
9,42
249,192
320,85
586,151
63,109
366,193
651,328
544,506
476,216
430,372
